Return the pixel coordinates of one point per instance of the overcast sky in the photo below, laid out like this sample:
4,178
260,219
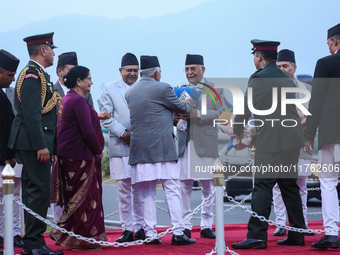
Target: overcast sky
17,13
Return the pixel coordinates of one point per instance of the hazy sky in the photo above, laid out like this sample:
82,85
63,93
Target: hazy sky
17,13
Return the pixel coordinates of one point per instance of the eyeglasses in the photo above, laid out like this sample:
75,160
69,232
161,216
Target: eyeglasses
131,70
192,69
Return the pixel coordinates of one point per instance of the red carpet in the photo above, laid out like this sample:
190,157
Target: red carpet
233,233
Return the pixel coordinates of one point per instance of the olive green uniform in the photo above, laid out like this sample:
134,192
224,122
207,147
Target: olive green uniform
276,146
33,130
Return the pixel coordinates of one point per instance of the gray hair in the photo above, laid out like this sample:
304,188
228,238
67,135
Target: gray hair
293,64
150,71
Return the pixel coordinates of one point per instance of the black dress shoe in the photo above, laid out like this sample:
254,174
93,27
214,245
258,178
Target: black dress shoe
153,242
309,234
1,242
140,235
182,240
208,233
18,241
127,236
279,232
41,251
48,251
292,242
249,243
187,232
327,242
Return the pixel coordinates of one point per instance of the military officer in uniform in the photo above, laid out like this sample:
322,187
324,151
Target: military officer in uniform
325,107
33,135
276,146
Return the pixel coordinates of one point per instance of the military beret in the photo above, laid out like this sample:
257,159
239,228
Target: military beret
68,58
129,59
41,39
264,45
286,55
8,61
147,62
194,59
333,31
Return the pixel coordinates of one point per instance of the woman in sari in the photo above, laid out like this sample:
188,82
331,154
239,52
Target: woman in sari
77,185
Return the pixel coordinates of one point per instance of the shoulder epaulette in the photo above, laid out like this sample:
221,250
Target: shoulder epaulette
55,99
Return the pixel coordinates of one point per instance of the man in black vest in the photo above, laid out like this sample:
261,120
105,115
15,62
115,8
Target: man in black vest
325,107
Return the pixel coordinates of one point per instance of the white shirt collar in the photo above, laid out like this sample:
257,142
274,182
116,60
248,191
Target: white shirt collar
199,85
38,65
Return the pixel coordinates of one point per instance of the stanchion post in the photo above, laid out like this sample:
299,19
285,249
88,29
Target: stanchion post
7,189
219,216
253,163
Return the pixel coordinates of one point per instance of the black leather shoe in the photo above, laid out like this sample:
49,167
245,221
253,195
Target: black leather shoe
279,232
309,234
26,251
208,233
182,240
153,242
127,236
43,251
292,242
48,251
1,242
18,242
187,232
249,243
140,235
327,242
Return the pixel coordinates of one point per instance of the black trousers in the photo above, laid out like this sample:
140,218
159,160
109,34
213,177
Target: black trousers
35,181
263,191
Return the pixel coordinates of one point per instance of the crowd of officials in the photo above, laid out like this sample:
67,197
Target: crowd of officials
53,134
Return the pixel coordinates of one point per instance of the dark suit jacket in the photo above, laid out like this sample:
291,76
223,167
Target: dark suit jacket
6,119
151,105
32,130
277,138
77,137
325,101
60,90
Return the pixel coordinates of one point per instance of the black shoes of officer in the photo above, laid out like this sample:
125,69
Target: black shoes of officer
140,235
187,232
249,243
153,242
127,236
43,251
18,241
292,242
1,242
208,233
327,242
279,232
182,240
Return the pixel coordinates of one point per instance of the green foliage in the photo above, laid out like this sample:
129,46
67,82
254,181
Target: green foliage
105,164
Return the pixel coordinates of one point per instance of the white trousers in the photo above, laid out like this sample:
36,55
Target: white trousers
328,183
279,206
207,216
130,208
16,210
147,194
57,211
